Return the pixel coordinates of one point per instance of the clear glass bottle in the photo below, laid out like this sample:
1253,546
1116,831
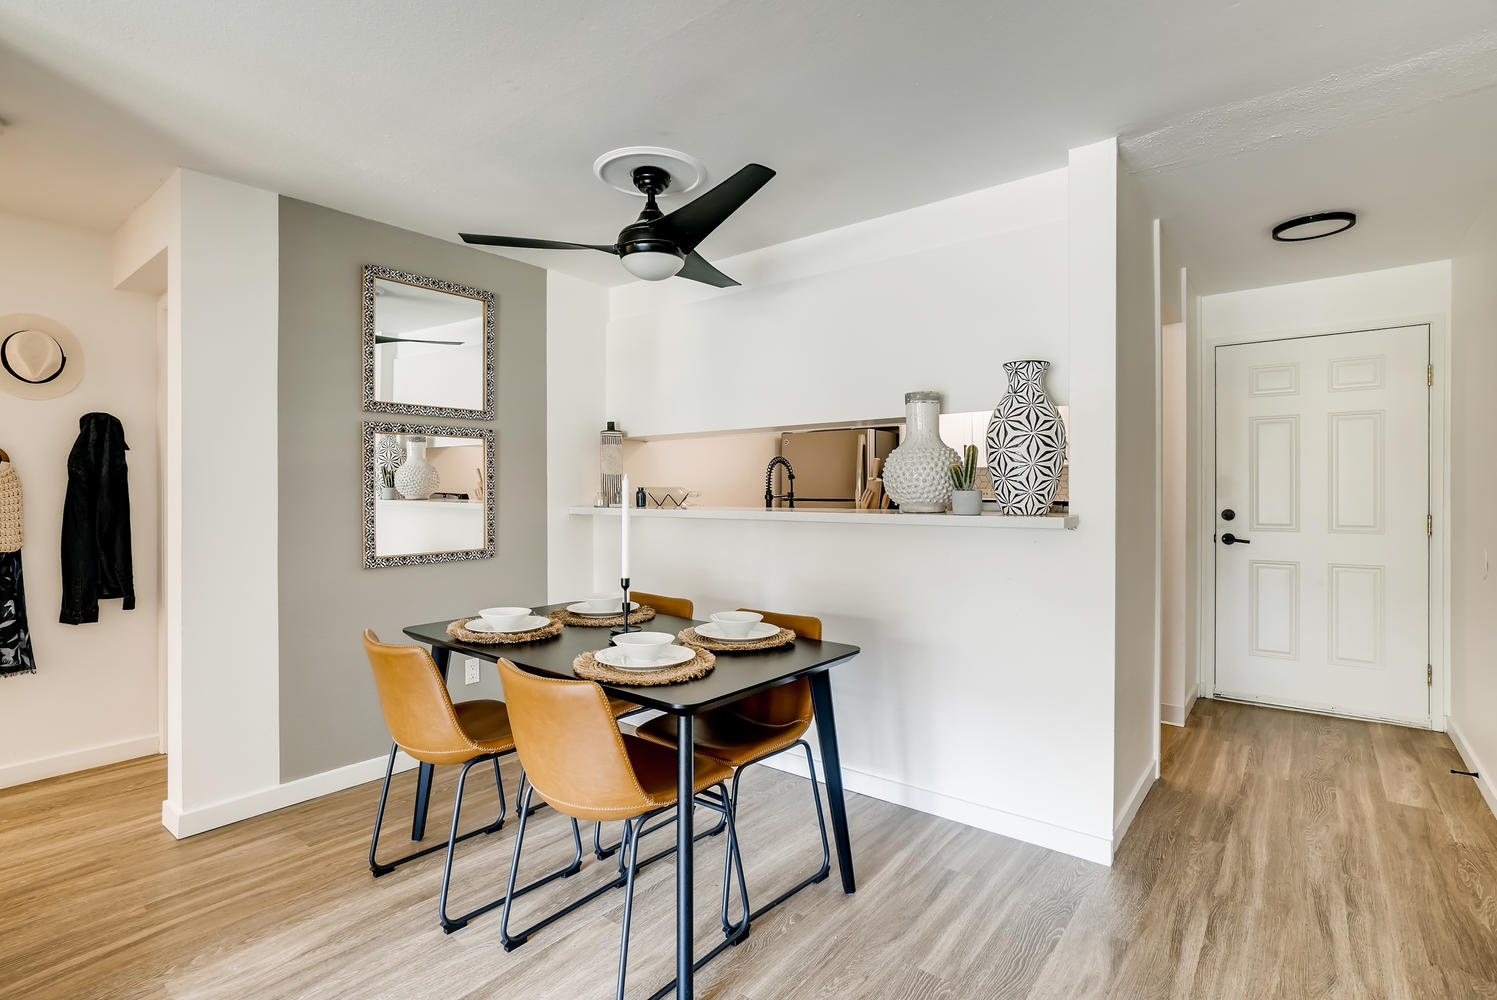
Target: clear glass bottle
611,463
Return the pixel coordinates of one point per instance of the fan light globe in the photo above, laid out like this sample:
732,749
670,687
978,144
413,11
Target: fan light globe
653,265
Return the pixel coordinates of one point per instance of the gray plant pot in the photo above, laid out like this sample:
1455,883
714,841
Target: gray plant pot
388,493
966,502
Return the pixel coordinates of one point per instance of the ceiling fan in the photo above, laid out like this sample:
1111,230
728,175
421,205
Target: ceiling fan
380,338
657,246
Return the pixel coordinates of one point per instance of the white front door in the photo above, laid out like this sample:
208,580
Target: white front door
1322,543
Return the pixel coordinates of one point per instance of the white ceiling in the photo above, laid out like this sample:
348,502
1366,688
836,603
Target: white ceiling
487,117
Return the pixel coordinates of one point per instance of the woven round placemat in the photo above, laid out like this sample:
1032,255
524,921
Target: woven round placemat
643,613
587,667
461,634
692,637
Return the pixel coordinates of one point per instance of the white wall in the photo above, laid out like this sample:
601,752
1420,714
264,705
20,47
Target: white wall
94,698
576,322
220,241
1473,711
1136,437
838,326
1177,684
1419,293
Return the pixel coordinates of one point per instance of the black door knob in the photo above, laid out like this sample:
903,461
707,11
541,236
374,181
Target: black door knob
1230,539
1228,514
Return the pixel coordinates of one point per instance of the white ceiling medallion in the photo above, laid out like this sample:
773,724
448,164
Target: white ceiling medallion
616,167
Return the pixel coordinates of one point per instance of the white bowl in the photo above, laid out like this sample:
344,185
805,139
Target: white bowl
503,618
600,603
736,623
643,647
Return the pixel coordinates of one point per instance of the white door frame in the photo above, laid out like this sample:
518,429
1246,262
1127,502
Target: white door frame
1439,481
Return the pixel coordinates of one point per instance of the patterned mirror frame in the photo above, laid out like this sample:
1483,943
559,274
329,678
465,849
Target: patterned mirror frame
372,405
373,428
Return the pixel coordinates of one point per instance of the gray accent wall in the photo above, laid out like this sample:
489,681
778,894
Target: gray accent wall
329,712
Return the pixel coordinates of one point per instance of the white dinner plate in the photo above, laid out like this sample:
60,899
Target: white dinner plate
761,630
672,655
580,608
481,626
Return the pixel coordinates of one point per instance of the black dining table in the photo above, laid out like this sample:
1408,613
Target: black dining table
737,675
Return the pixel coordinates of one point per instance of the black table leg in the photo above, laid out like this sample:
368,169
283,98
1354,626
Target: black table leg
831,770
424,772
685,807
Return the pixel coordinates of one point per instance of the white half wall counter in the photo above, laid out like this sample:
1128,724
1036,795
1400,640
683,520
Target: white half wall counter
988,519
967,700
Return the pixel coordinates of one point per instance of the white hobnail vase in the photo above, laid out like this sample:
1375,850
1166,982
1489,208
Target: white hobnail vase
416,479
917,474
1026,442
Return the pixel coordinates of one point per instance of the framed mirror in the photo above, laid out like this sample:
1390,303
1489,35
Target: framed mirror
428,346
428,494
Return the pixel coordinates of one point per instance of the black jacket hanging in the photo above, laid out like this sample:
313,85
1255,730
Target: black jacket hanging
96,521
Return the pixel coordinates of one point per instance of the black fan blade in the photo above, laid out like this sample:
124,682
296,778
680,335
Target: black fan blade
692,223
382,339
697,269
523,243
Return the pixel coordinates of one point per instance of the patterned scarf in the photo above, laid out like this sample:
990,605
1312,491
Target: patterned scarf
15,637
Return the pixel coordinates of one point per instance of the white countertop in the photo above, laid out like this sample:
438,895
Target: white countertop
988,519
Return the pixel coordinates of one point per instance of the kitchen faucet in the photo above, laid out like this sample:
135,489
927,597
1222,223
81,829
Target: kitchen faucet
769,494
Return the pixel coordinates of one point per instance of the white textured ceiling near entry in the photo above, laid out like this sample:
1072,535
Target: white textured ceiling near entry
487,116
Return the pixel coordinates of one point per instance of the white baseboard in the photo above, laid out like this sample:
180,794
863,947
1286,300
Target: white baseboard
1175,715
1136,796
1487,781
78,760
1086,846
204,818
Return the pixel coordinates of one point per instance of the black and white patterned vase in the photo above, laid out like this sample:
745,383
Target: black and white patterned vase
1026,442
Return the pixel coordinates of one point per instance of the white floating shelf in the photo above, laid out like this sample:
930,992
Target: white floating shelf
988,519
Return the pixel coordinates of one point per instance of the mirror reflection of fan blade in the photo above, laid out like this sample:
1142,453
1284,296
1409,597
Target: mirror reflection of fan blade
525,243
382,339
694,222
697,269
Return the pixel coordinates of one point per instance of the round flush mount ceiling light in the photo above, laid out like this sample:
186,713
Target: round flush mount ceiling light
616,168
1314,227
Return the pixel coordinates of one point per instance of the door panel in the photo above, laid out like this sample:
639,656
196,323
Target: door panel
1323,595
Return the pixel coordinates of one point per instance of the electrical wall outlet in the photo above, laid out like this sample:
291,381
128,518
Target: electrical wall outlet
470,671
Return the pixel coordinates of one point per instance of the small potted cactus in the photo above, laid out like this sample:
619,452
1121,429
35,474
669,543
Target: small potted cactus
387,483
965,497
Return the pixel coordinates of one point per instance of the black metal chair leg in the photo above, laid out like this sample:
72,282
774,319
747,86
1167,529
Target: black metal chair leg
826,850
741,931
448,924
498,824
630,844
732,860
379,816
513,941
377,867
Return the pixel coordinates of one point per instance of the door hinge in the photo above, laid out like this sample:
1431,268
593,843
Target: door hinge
1429,524
1429,375
1429,674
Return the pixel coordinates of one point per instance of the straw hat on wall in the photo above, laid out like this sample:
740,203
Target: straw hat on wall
39,357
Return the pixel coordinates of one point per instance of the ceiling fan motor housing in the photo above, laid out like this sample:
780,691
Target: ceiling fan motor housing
640,236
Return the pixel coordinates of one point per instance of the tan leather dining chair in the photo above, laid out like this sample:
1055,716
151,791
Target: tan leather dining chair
574,756
754,729
424,722
676,607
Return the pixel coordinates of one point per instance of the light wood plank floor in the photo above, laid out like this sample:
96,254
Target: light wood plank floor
1283,855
